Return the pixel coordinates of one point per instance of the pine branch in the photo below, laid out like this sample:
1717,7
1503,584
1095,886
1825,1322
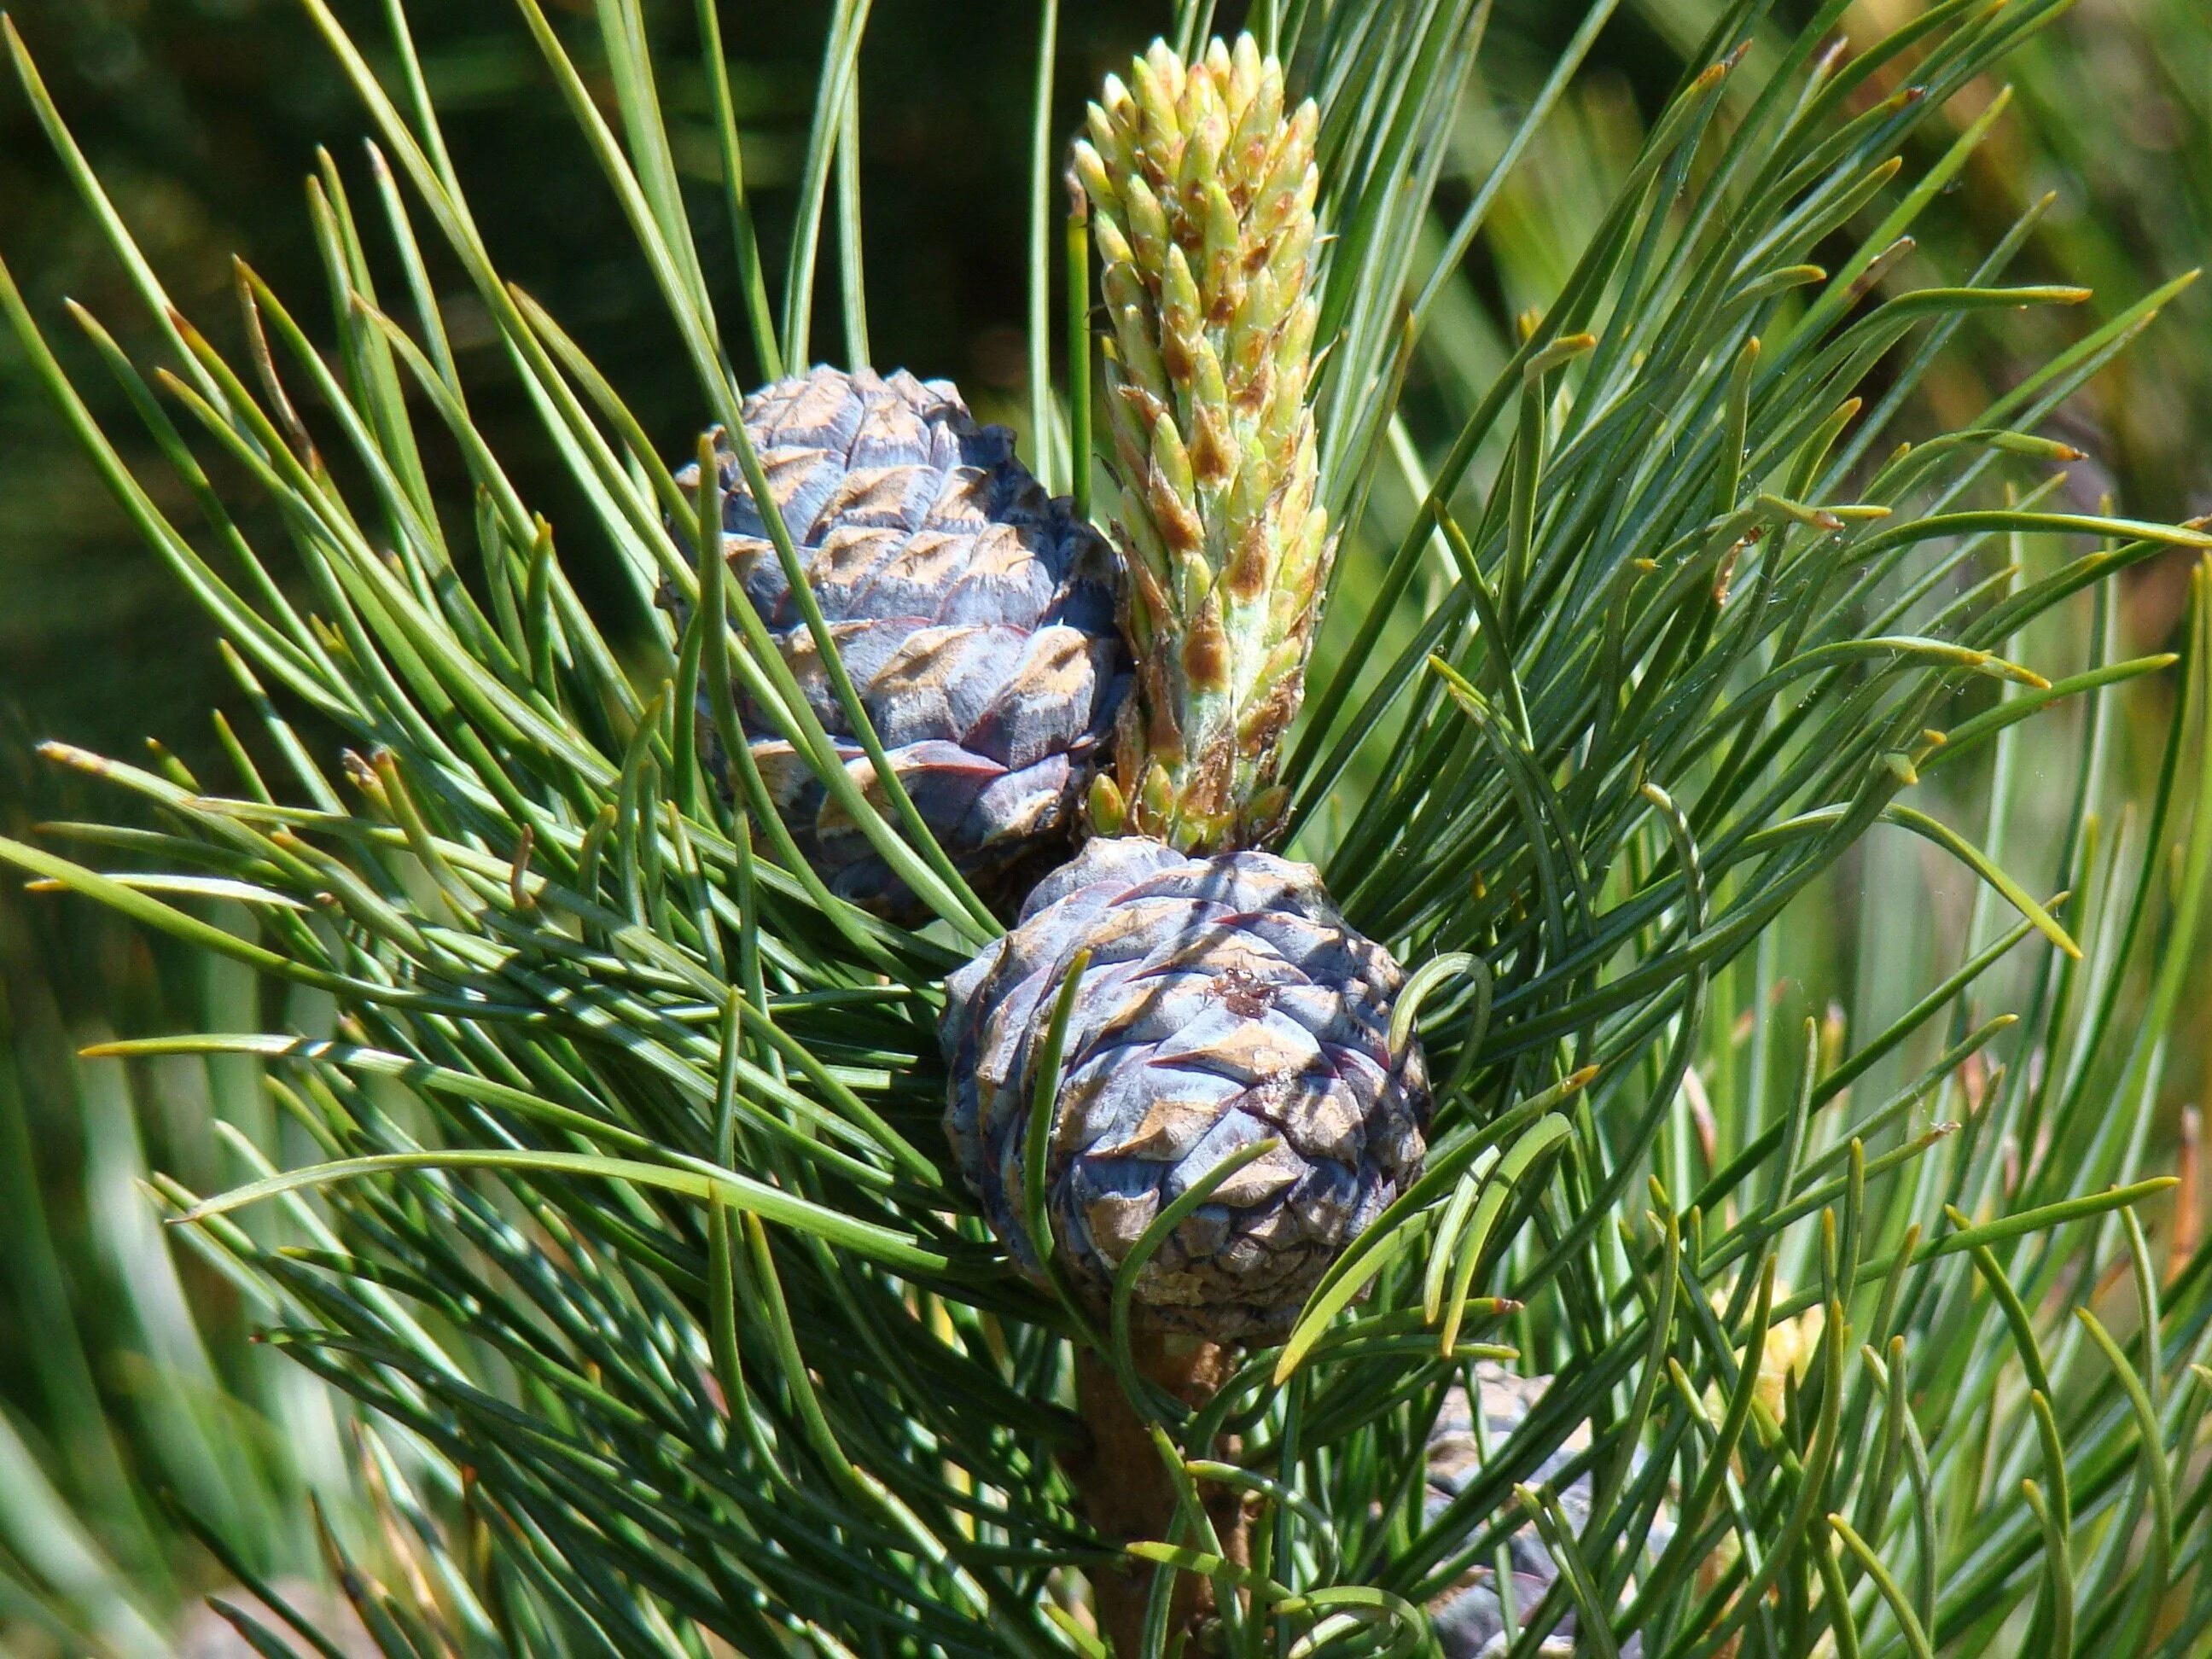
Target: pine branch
630,1224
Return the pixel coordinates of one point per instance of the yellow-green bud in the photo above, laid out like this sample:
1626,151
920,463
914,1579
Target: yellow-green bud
1204,211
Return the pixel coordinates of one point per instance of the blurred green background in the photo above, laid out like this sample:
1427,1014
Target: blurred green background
125,1371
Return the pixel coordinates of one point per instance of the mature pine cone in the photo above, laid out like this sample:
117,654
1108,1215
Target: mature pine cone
1225,1000
975,615
1467,1618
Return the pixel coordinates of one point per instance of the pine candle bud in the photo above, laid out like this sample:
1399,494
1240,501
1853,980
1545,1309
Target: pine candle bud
1202,210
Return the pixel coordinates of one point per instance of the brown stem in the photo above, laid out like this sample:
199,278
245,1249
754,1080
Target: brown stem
1126,1490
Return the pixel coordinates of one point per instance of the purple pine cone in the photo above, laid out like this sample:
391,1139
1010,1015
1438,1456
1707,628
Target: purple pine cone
973,613
1225,1001
1467,1620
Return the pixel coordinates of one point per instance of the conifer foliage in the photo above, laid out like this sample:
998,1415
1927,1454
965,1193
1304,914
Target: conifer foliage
635,1239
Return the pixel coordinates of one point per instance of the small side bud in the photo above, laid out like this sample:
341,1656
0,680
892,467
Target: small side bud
1105,807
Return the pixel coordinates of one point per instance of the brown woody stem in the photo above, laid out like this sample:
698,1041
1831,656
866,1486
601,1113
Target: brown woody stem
1128,1495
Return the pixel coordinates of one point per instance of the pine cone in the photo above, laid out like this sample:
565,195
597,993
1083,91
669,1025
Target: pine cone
975,615
1225,1000
1467,1618
1202,190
